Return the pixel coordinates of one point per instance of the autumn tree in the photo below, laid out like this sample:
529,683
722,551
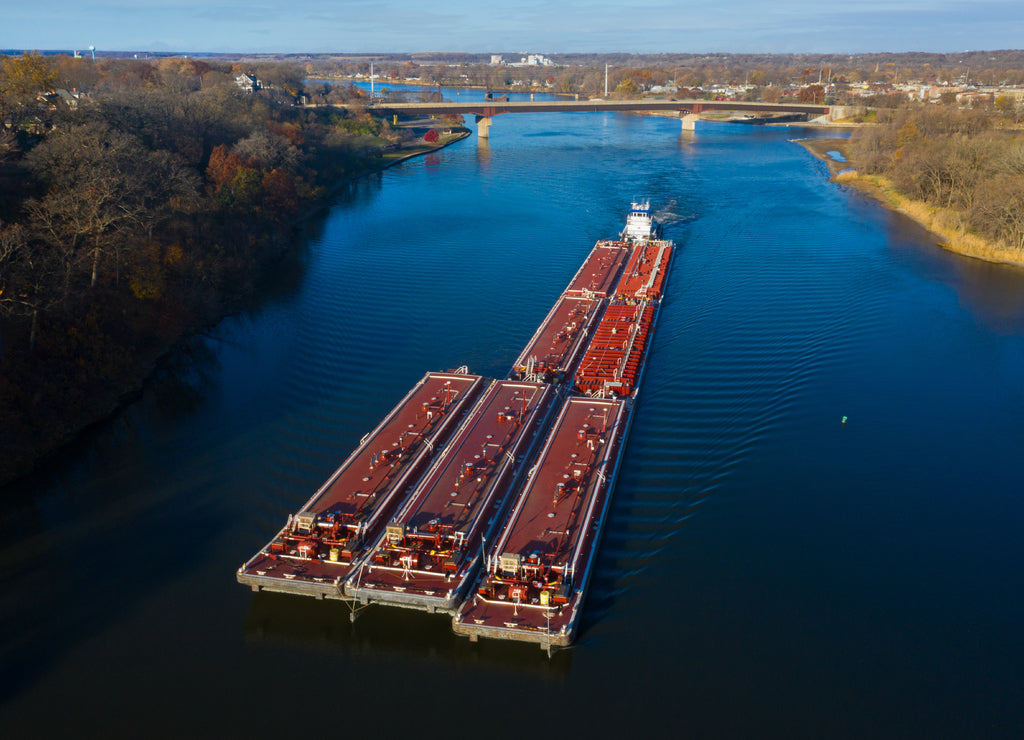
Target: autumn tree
100,185
1008,107
224,165
814,94
627,88
22,79
998,211
279,192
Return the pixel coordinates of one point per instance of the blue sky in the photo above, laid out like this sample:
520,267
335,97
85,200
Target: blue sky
643,26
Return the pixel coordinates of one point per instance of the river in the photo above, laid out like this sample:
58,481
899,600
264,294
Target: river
767,570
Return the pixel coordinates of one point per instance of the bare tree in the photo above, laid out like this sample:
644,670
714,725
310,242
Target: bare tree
26,284
100,184
999,210
268,150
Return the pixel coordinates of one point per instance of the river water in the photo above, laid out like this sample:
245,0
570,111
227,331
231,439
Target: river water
766,571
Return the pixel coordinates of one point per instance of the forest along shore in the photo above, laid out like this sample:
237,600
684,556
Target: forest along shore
58,426
945,224
146,213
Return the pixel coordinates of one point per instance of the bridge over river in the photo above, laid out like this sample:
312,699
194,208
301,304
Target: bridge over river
687,110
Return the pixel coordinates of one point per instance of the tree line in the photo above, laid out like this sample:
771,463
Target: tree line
140,200
961,160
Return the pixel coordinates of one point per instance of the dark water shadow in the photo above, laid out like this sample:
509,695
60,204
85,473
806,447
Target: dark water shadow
326,626
991,291
68,576
67,527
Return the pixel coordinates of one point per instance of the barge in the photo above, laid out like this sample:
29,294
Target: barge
317,548
430,550
416,516
536,575
537,572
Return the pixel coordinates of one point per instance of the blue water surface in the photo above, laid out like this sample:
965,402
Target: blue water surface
767,571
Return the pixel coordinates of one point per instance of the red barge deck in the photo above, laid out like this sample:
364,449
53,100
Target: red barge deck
537,573
614,359
644,276
556,345
600,270
318,547
430,550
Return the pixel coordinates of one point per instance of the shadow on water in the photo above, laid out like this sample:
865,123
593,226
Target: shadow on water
989,290
327,626
78,543
72,561
351,194
68,528
186,379
992,291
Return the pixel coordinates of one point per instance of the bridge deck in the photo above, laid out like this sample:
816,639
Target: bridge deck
495,107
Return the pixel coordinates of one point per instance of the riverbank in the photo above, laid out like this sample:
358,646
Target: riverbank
389,159
58,422
942,223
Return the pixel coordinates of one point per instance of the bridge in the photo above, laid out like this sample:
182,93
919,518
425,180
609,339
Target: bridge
688,110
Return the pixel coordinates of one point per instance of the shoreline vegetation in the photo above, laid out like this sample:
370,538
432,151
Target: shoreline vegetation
141,215
108,400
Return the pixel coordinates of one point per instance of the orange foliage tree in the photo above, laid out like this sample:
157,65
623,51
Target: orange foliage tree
224,165
279,192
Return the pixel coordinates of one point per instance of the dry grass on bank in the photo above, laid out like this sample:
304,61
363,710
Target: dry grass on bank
943,223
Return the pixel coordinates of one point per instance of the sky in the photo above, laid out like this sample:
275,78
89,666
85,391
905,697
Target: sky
545,27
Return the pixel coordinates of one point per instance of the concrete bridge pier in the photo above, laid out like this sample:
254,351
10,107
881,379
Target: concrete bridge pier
689,120
838,112
483,127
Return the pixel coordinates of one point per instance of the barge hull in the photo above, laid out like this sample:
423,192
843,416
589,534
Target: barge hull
318,548
538,571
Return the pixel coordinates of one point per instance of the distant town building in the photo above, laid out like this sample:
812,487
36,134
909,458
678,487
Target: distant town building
530,60
1016,94
536,60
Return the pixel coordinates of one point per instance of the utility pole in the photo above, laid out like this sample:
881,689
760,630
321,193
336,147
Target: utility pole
606,79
